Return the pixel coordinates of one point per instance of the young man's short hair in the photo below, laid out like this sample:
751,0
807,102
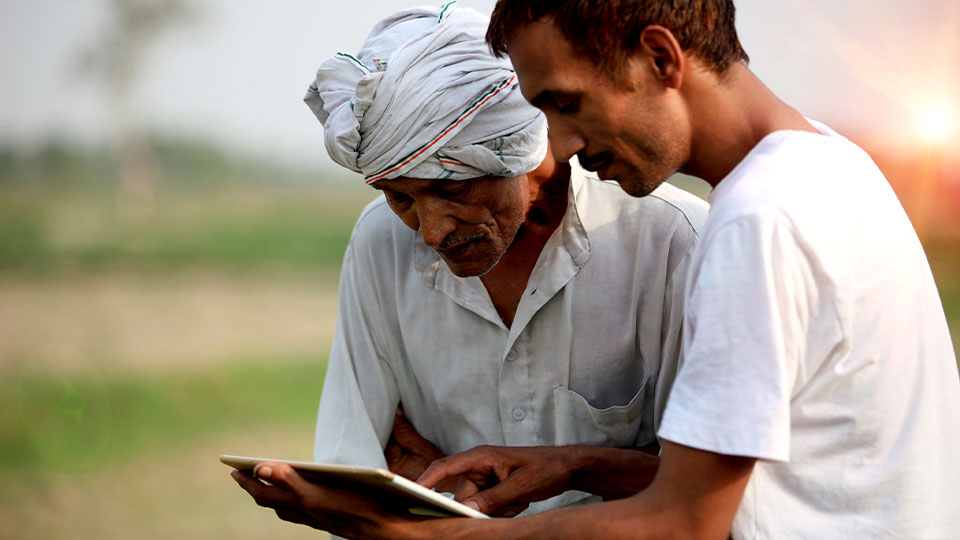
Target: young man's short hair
608,31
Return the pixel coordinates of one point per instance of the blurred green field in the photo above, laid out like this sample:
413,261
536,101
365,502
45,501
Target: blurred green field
95,454
143,335
242,228
76,416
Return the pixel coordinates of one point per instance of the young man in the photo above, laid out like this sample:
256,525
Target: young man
819,396
512,302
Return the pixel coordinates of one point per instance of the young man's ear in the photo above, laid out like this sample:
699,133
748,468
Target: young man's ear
661,52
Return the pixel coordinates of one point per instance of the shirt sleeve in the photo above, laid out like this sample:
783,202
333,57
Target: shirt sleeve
360,394
671,349
746,320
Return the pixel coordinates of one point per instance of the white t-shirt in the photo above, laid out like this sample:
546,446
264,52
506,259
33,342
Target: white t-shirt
815,340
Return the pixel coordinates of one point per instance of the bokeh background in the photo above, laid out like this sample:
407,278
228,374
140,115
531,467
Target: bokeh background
171,230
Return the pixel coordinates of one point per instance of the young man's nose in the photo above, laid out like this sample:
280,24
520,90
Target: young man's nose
565,141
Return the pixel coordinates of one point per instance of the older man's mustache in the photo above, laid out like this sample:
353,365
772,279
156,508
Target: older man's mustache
455,239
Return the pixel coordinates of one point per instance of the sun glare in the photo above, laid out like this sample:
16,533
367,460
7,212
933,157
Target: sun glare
937,122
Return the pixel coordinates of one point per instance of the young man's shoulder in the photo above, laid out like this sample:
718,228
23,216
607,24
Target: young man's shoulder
800,176
666,208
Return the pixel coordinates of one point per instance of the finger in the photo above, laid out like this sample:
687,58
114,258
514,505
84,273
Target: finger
282,476
452,466
293,516
392,453
498,498
264,495
407,437
466,488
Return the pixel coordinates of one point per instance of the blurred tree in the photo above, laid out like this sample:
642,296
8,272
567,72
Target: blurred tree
117,60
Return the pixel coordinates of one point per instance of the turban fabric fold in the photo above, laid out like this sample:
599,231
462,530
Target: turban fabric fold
425,98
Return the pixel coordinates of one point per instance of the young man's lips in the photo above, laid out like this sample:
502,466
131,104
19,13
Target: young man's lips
595,165
605,174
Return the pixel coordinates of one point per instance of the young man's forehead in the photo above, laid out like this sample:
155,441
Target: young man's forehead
546,62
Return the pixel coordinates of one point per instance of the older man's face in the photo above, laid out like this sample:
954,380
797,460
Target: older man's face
470,223
632,131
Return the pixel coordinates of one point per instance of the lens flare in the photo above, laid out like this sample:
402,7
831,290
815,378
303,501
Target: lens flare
937,122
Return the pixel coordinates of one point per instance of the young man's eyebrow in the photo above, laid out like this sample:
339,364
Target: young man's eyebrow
550,98
542,99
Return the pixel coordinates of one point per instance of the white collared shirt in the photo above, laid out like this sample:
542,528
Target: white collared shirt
593,348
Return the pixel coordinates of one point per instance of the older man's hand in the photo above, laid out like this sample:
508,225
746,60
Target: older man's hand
409,454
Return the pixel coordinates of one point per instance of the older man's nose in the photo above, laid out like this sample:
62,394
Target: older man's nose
435,223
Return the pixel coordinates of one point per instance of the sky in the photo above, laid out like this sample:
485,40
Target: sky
236,74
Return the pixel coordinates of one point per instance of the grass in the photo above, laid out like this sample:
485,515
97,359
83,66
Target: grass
241,228
82,420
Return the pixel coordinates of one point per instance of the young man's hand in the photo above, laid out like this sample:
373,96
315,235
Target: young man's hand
504,480
342,512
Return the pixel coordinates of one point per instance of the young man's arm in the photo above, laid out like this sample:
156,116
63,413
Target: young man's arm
695,495
497,476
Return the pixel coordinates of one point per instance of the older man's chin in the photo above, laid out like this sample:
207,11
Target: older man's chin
468,270
473,266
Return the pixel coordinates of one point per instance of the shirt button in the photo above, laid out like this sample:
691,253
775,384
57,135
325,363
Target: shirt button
519,414
512,355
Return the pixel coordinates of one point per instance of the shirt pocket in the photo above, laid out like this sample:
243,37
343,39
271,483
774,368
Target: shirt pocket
579,423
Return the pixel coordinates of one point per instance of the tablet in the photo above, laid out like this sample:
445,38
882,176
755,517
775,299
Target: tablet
386,487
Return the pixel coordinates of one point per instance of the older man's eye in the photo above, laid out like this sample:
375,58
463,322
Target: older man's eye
456,192
398,199
452,189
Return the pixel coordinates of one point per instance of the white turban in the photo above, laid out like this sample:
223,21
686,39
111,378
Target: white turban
425,98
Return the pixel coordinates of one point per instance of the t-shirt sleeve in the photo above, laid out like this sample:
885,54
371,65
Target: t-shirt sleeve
746,321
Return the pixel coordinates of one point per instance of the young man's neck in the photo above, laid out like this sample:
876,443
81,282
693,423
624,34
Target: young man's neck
731,114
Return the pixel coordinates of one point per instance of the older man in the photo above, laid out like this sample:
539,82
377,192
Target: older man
819,396
513,302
